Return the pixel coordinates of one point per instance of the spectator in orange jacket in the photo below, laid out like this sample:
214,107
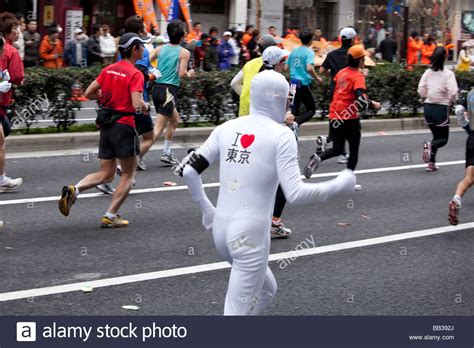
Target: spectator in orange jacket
51,49
414,46
427,50
249,29
196,34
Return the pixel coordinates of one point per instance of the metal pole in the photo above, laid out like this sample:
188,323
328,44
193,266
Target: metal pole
35,11
406,24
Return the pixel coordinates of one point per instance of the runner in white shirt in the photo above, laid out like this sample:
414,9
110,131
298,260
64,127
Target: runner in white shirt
255,153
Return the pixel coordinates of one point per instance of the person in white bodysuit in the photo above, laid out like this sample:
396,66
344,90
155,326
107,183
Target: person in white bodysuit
255,153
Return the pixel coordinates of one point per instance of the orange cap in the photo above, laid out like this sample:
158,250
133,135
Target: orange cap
356,51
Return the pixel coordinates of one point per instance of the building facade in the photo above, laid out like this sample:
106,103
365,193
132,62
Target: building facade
330,15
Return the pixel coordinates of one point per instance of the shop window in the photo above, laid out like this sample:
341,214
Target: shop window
209,6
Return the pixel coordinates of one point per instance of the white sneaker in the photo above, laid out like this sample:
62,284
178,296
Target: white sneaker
10,184
358,188
321,142
106,189
343,159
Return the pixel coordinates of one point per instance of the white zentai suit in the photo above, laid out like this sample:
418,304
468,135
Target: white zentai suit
255,154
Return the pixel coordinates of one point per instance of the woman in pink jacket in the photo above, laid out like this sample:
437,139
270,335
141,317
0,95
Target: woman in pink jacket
439,88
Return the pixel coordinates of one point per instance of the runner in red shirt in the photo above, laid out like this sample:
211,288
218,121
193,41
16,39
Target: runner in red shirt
11,72
119,90
349,98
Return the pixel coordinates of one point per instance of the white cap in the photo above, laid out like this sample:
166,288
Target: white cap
272,56
78,31
227,33
348,33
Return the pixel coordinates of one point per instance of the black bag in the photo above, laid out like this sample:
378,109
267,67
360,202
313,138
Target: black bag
106,117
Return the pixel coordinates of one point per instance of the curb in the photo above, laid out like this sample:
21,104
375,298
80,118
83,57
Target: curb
75,141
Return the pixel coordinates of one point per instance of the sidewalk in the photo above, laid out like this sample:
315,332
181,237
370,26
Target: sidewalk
71,141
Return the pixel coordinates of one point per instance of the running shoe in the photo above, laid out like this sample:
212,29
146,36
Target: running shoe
141,164
426,151
113,223
10,184
343,159
358,188
279,230
454,208
431,167
321,142
313,164
106,188
168,158
68,198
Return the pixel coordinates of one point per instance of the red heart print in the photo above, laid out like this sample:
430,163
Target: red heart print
247,140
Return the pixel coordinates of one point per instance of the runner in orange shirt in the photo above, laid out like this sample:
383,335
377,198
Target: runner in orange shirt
349,98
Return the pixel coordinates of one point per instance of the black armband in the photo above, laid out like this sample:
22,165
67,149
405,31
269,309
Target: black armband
199,163
196,161
363,100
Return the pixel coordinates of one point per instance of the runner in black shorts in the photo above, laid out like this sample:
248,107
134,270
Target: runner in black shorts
164,98
119,89
173,65
466,183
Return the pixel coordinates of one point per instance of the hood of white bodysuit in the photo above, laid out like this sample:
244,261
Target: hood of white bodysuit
269,95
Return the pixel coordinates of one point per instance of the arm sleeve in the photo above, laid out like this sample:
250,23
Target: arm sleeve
137,82
45,52
237,81
423,86
210,149
194,182
453,87
298,192
210,152
16,69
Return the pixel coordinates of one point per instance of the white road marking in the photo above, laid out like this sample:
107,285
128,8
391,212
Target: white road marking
184,187
60,289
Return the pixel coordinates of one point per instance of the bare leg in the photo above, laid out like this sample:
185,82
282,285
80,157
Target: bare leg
172,125
160,125
105,175
146,142
2,150
466,183
129,167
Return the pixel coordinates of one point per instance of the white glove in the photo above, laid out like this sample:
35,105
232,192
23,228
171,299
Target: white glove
459,111
6,75
5,87
155,72
346,181
208,217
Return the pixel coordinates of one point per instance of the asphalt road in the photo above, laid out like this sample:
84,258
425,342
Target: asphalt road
430,275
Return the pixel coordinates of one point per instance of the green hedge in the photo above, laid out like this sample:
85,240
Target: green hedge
209,95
